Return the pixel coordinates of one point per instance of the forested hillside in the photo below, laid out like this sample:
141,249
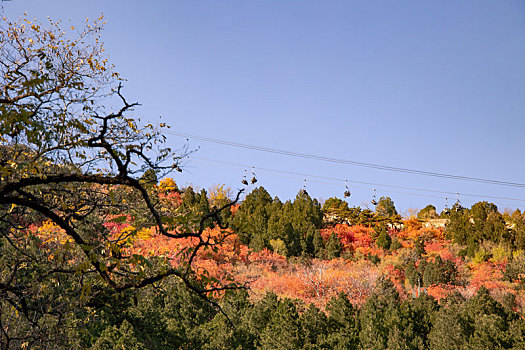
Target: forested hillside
101,248
330,276
309,275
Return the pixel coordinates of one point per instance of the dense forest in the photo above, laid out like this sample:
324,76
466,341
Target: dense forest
100,248
307,275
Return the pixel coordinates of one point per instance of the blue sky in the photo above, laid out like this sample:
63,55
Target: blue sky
430,85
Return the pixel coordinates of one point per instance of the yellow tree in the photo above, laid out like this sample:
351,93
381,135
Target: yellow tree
69,159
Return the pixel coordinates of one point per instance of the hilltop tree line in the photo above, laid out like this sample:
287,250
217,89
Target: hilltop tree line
293,228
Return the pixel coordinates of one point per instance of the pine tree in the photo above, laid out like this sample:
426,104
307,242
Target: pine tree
385,207
283,331
122,337
428,212
342,323
203,207
319,246
448,331
336,211
384,240
314,325
333,246
252,217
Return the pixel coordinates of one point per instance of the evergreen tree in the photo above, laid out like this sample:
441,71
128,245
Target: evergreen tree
373,328
439,272
379,316
203,207
481,223
307,211
293,240
494,229
459,227
515,267
220,334
307,242
342,323
516,333
297,224
419,247
487,222
336,211
385,207
487,321
448,329
149,178
518,222
383,240
258,317
189,199
122,337
428,212
314,325
412,275
333,246
275,228
251,219
423,310
319,246
306,219
195,206
283,331
366,217
395,245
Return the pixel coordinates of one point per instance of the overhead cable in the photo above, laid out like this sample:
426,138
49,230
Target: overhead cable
348,162
331,180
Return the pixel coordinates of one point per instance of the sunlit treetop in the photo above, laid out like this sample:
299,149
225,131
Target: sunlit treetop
57,101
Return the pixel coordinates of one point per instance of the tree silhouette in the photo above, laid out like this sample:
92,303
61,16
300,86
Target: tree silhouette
69,160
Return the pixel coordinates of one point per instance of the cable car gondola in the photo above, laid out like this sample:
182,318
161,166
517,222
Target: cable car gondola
446,210
244,181
373,201
347,193
303,191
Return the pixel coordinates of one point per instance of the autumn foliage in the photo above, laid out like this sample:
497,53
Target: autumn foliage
355,273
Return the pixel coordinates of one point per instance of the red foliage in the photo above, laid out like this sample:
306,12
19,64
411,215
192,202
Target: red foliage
234,208
343,231
268,259
315,281
174,198
433,247
397,276
440,291
351,237
489,275
437,247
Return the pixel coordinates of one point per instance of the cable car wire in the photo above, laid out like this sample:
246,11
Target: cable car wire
335,182
348,162
372,184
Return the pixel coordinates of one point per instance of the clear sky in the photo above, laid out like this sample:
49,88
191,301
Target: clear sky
430,85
